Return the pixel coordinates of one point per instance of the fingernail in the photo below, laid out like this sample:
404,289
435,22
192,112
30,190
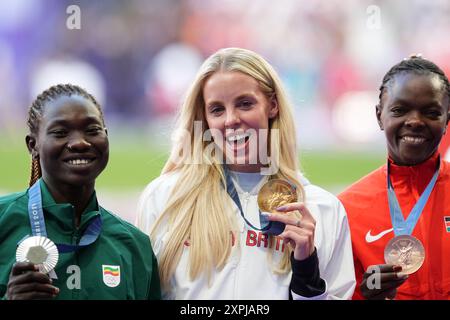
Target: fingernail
266,214
397,268
402,275
56,290
282,208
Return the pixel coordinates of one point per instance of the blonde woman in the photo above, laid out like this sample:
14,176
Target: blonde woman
235,132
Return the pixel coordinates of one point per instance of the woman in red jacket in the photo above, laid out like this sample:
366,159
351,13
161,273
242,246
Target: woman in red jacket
399,214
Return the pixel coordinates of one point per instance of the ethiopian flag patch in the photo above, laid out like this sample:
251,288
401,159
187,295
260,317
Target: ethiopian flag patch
111,275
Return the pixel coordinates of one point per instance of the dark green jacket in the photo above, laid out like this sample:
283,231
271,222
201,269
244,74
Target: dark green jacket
81,273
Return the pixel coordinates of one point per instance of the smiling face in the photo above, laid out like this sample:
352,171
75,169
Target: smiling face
414,115
72,142
236,109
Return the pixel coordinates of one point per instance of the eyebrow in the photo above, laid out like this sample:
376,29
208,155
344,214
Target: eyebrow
66,123
433,103
240,97
245,95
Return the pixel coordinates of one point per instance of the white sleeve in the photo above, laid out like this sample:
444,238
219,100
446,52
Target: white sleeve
340,271
335,252
146,208
151,204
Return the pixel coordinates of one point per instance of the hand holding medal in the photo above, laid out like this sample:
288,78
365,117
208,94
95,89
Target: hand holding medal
404,249
36,256
276,199
403,253
380,282
26,282
40,251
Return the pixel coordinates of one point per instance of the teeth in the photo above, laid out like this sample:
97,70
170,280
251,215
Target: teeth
238,137
415,140
79,161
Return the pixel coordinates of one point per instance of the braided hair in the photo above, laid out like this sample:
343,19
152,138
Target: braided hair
418,65
36,112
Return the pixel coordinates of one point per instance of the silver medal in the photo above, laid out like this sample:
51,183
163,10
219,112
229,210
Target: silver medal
40,251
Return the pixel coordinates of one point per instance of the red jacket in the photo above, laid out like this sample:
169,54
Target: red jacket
367,207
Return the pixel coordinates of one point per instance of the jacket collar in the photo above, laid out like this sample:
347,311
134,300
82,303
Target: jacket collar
64,213
427,167
419,175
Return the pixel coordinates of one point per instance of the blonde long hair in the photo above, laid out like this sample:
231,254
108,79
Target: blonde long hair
199,207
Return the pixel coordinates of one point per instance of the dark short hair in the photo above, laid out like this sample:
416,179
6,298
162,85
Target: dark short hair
418,65
37,107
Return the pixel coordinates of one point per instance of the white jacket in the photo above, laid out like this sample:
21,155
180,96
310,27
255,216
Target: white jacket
247,274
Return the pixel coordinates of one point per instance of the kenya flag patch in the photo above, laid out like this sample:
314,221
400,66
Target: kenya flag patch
447,223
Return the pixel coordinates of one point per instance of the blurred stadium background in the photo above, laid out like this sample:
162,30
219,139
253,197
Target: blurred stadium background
138,57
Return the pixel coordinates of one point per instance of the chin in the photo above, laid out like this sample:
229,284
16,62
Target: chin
412,161
80,181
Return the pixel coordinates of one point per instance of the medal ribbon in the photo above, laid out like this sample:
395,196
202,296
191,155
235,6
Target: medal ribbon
268,226
35,211
400,225
37,222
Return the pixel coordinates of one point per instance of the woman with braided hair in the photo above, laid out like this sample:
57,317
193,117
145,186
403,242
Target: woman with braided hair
399,214
56,241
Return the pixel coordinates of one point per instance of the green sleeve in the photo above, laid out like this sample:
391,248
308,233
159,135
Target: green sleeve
154,286
145,262
3,292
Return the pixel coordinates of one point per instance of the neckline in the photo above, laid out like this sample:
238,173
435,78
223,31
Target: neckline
235,178
424,169
64,212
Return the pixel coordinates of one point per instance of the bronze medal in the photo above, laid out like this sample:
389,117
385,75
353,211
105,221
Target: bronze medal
406,251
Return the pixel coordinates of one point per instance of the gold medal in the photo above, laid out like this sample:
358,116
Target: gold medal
40,251
406,251
275,193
